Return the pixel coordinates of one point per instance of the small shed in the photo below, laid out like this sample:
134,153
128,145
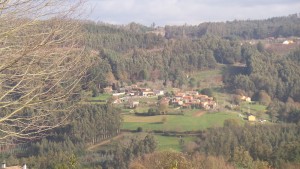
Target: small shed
251,118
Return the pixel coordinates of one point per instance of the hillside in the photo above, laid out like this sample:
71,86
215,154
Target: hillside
186,90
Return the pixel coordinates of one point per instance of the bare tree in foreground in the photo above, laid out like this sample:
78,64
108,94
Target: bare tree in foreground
41,65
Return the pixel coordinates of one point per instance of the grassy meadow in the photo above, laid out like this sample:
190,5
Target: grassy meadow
171,143
190,121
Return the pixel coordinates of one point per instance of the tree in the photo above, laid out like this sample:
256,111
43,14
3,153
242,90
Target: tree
264,98
233,123
164,159
192,83
260,46
242,158
207,91
41,65
163,107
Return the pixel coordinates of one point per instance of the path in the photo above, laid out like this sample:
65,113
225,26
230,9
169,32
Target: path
90,148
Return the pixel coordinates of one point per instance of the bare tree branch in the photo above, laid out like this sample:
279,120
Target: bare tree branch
42,62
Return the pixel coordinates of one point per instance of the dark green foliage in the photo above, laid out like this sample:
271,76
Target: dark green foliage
241,145
264,98
266,71
207,91
249,29
233,123
93,123
268,78
88,125
130,58
260,47
139,129
192,83
136,148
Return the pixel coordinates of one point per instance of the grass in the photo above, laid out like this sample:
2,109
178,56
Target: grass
163,142
170,142
101,97
206,74
186,122
253,107
143,119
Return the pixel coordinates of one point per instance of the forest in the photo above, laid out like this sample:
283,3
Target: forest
127,54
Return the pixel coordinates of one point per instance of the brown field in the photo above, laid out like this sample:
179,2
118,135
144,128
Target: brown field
143,119
199,113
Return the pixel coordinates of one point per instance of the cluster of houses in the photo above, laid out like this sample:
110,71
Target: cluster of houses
193,99
133,90
185,99
128,93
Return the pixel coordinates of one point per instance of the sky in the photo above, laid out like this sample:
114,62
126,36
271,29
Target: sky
191,12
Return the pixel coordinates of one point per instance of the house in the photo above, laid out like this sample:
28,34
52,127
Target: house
3,166
108,89
180,94
120,100
188,99
202,97
251,118
145,94
145,89
248,99
175,90
159,92
245,98
118,94
192,93
132,104
287,42
178,103
205,105
122,90
212,105
131,94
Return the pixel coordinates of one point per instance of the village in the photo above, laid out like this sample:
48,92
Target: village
133,96
130,95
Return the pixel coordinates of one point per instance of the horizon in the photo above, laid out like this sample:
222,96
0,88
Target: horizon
190,12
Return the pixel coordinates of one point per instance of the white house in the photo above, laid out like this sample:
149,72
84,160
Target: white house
287,42
245,98
159,92
3,166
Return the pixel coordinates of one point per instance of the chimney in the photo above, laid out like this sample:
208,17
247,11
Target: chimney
3,165
24,166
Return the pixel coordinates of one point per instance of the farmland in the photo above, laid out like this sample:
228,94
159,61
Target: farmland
178,119
187,122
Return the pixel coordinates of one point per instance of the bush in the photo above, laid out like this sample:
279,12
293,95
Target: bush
207,91
139,129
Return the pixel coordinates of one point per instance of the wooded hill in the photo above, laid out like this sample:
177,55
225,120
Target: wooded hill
133,52
240,29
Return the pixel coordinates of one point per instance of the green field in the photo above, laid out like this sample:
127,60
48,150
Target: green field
101,97
207,74
253,107
163,142
170,142
187,122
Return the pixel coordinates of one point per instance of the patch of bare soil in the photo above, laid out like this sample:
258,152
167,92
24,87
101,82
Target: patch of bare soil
199,114
105,142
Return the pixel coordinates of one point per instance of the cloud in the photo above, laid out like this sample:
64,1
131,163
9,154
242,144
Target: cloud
164,12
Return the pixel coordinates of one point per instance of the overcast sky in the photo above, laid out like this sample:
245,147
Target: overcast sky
192,12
